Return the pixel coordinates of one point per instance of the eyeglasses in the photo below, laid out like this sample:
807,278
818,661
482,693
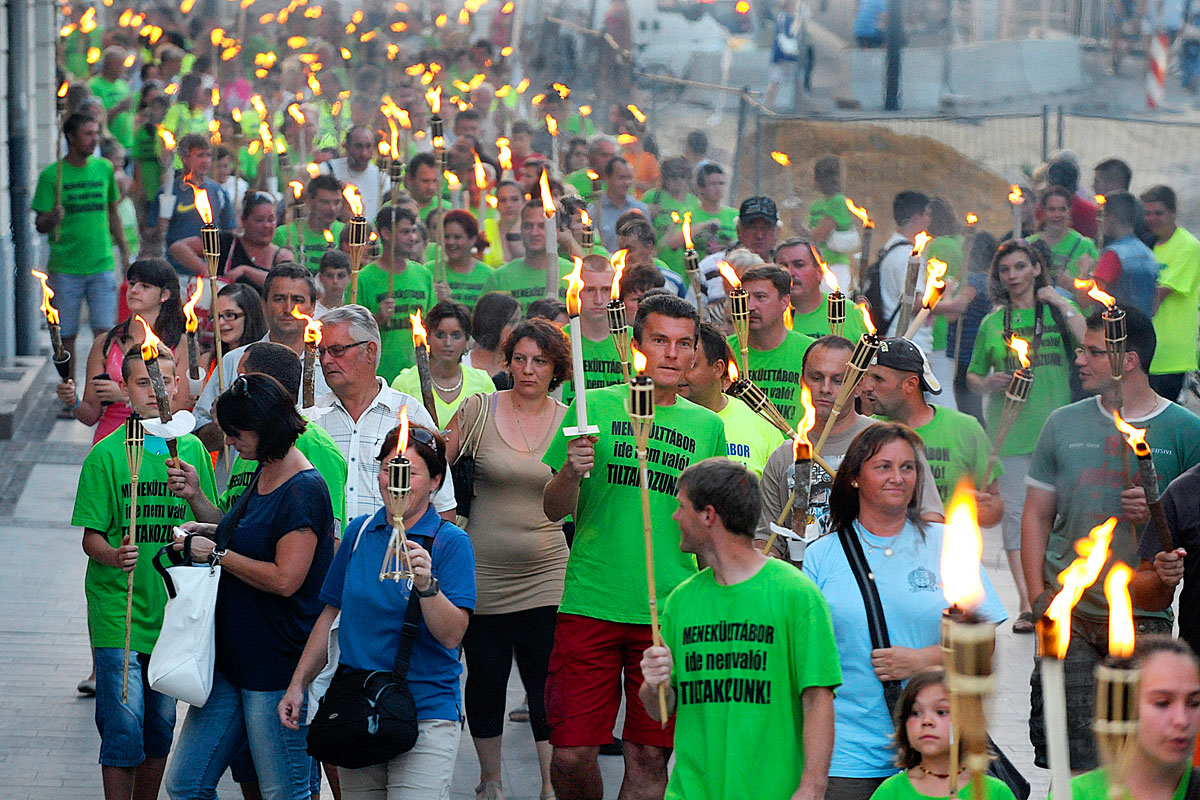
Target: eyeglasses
338,350
1091,352
230,316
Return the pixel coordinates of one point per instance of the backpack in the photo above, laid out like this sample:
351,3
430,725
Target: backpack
872,288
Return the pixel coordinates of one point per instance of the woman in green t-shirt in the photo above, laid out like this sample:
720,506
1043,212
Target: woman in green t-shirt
1066,244
464,271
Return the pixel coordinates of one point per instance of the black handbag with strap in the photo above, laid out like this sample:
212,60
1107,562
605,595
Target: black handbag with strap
369,716
1000,766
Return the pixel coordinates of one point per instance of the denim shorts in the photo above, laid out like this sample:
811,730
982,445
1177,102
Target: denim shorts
100,290
138,729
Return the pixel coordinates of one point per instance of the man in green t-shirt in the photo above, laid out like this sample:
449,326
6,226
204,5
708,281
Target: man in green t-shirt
525,278
393,289
83,225
601,150
1075,483
955,443
135,732
323,201
751,438
113,90
810,306
421,179
748,659
601,363
714,224
775,352
1175,320
603,620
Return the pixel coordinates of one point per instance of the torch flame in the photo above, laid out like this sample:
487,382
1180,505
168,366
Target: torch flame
962,548
1135,436
150,343
617,259
1014,195
62,90
733,372
867,323
354,198
420,338
295,113
312,327
584,218
827,275
1095,292
972,218
167,137
189,308
547,200
50,311
687,230
551,125
434,98
1021,348
297,189
1100,201
328,234
639,359
934,283
1120,611
781,158
728,274
637,113
593,176
859,212
1080,574
801,447
574,287
203,207
920,241
505,156
402,440
481,180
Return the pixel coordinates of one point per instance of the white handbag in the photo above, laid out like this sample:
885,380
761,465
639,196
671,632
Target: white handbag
181,665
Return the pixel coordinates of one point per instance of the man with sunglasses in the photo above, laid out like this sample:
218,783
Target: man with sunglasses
810,304
1075,482
359,408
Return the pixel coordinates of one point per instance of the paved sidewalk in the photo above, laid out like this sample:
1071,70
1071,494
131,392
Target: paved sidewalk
48,741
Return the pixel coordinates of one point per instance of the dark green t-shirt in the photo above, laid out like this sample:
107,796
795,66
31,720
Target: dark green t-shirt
84,245
777,372
314,243
525,283
411,289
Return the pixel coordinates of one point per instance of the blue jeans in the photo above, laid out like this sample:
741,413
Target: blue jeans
139,728
100,291
212,735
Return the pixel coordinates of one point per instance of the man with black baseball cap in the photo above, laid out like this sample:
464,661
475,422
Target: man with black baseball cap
955,443
757,231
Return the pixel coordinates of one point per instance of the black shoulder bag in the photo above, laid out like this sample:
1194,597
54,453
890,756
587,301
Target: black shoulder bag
369,716
1000,766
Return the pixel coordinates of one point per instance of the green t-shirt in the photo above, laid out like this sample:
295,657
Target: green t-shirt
411,289
835,208
1051,379
1078,459
726,234
111,93
85,245
1176,321
144,151
899,787
601,366
947,249
742,656
181,120
751,438
956,445
102,504
777,372
434,202
1094,785
667,203
604,579
475,381
582,183
524,282
815,323
321,451
466,287
1065,255
313,241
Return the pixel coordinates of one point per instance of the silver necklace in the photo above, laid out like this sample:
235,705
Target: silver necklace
871,548
449,389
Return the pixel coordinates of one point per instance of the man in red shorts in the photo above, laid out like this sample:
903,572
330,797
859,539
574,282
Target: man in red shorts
603,621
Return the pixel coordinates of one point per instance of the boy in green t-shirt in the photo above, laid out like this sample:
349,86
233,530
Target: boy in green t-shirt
135,733
748,653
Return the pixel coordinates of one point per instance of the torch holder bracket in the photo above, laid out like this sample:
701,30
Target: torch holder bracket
63,367
574,432
1019,386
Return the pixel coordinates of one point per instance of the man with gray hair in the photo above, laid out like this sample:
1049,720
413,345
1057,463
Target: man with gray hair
359,408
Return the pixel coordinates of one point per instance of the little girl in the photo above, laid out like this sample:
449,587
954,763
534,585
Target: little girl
922,719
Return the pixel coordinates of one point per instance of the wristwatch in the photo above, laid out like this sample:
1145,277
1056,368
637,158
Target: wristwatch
434,587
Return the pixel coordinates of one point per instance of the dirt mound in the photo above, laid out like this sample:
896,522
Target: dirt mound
877,163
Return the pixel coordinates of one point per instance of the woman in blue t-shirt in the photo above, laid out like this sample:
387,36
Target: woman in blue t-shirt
372,614
276,546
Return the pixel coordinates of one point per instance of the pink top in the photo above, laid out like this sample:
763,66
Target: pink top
115,414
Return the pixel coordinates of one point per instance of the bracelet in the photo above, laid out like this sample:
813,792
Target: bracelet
78,400
214,559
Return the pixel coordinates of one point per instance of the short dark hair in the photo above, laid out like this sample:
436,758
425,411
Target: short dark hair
520,126
334,259
1116,171
713,344
259,403
434,457
611,164
277,360
828,340
697,142
908,204
907,756
727,486
492,312
827,174
780,278
843,497
448,309
75,121
134,354
253,200
323,183
1139,335
193,141
1160,194
641,279
390,214
1065,173
418,161
550,340
704,170
668,305
291,271
546,308
466,115
1055,191
1121,207
639,229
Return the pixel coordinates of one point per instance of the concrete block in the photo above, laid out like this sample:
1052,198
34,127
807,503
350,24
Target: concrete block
1051,65
18,386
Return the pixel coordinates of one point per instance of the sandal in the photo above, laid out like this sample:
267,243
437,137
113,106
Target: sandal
519,714
1024,623
489,791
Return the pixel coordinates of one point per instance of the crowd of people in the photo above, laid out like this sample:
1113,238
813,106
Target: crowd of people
527,537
